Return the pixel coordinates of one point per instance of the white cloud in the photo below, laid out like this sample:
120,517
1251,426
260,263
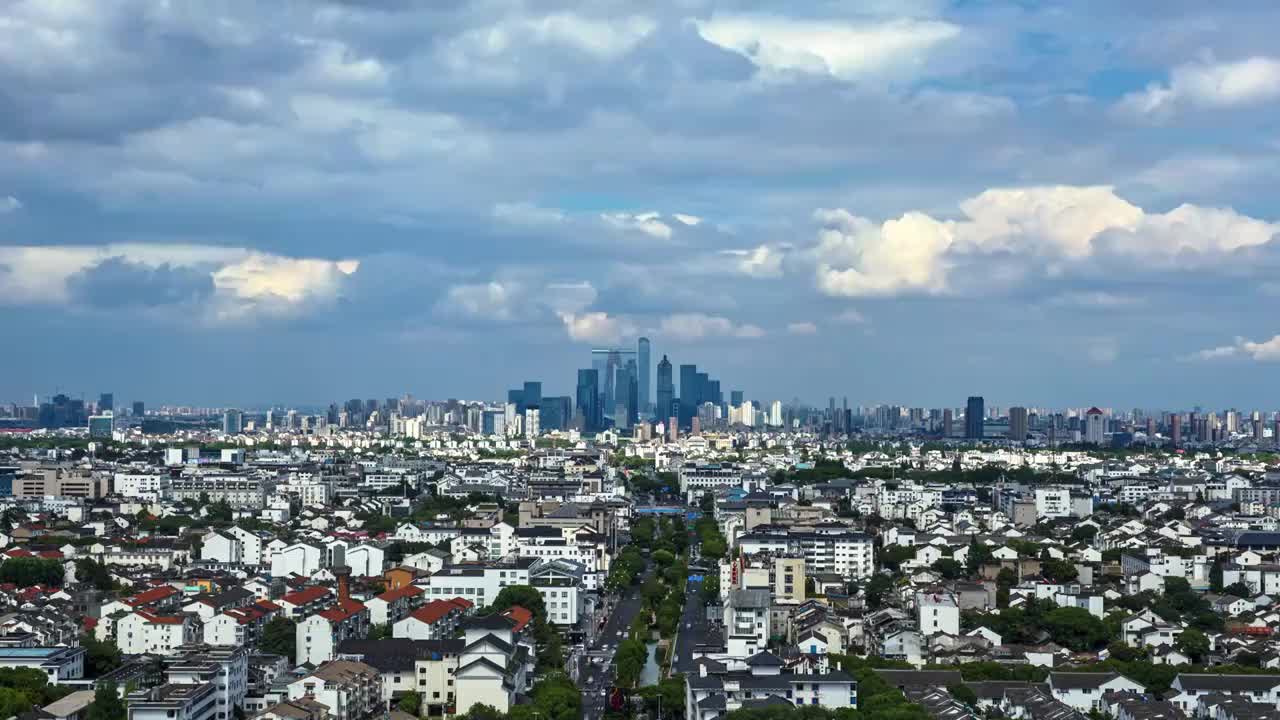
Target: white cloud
845,50
762,261
489,301
1265,351
802,328
696,326
649,223
690,220
1208,84
1027,229
245,282
9,203
1095,300
597,327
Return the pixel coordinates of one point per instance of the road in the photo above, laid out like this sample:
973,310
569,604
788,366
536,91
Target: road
694,628
594,677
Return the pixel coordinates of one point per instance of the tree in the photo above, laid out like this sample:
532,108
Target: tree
100,657
630,660
893,557
1075,628
1194,643
877,586
280,636
964,694
379,631
949,568
1083,533
411,703
107,704
94,573
1238,589
1059,571
28,571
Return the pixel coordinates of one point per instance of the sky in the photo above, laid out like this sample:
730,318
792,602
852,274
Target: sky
247,203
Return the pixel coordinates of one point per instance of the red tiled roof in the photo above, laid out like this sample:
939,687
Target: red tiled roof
305,595
17,553
433,611
462,603
51,554
342,611
406,591
267,605
89,622
153,595
521,616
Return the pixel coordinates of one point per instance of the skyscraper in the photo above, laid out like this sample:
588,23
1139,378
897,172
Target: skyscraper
1018,424
589,399
947,418
232,422
974,413
139,408
735,397
666,390
106,401
642,385
1175,429
630,393
1094,427
689,393
532,394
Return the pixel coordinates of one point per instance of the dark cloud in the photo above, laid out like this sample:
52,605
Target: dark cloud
117,283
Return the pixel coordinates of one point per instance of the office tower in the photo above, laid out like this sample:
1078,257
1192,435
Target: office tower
516,397
101,426
1094,426
689,393
631,393
1175,429
973,417
532,394
612,361
1151,429
493,422
555,413
532,426
370,406
106,402
1275,431
1018,424
642,386
139,408
588,397
475,418
1257,430
775,413
666,388
735,397
948,417
232,422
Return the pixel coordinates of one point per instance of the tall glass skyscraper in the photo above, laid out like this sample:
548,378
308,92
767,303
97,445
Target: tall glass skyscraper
642,354
974,413
589,399
532,394
666,391
690,393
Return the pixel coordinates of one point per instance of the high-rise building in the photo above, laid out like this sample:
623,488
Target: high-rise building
1018,424
516,397
974,414
588,397
735,397
775,413
1094,426
232,422
555,413
532,426
139,408
947,419
532,394
106,402
101,426
642,387
690,392
1175,429
666,390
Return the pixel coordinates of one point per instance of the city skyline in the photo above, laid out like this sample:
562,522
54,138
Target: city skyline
1053,205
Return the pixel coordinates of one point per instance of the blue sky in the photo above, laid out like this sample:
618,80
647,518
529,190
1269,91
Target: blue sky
242,203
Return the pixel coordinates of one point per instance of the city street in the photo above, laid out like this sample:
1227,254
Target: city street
595,678
693,627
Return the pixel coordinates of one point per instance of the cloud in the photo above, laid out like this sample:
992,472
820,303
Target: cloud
1007,234
1095,300
8,204
802,328
1101,350
697,326
779,46
116,282
690,220
494,301
1208,84
244,283
1265,351
649,223
598,328
762,261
